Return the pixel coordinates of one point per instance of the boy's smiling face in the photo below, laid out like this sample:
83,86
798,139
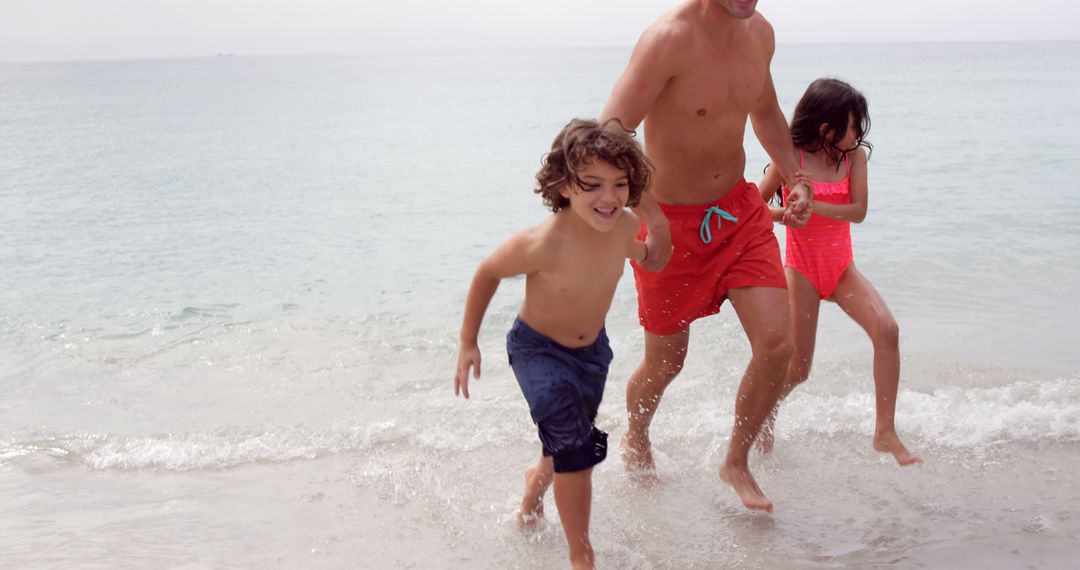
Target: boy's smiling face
603,194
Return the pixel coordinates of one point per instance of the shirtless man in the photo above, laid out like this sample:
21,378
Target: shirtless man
695,76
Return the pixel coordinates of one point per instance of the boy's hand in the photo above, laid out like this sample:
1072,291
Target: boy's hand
468,358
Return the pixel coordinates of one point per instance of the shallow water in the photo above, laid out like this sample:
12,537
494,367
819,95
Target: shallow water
231,290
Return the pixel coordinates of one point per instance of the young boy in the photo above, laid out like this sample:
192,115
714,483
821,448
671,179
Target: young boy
557,346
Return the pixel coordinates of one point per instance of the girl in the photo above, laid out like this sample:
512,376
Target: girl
828,131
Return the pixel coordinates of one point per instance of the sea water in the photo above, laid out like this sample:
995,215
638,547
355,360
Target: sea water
231,289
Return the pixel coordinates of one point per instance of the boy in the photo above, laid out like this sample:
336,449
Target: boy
557,346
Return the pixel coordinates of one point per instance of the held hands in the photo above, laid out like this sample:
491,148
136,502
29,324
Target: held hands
658,250
800,202
469,357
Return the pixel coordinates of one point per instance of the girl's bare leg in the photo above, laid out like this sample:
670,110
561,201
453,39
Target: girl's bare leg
537,480
573,498
860,300
804,302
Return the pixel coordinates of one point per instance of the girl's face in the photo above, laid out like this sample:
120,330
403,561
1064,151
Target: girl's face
850,136
848,141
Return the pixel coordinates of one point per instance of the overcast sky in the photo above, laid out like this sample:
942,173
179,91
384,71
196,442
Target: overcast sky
91,29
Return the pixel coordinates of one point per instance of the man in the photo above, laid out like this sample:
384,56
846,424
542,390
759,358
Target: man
695,76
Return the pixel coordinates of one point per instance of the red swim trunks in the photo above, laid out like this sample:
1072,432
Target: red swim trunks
713,255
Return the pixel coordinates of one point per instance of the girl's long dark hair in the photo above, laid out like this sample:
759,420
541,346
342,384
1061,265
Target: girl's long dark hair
830,101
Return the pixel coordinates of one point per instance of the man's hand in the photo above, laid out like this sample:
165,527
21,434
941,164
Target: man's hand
800,202
658,250
468,358
658,247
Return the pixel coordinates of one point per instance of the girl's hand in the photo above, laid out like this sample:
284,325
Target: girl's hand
800,203
468,358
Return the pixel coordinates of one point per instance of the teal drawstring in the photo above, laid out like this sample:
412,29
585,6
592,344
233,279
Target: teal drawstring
706,232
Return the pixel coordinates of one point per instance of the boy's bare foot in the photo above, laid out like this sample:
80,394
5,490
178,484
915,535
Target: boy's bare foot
890,442
745,486
638,459
531,511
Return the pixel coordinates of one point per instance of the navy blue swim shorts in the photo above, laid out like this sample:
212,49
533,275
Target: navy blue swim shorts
564,387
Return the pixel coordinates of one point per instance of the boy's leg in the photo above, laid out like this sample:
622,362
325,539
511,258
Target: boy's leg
537,479
573,498
859,299
763,312
664,357
805,305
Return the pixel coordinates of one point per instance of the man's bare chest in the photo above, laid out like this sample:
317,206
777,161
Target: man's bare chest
711,86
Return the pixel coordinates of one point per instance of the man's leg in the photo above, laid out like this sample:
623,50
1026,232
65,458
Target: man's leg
805,304
763,312
664,357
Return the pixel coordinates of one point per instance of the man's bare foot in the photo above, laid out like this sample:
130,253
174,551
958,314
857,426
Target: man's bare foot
745,486
586,565
764,441
637,456
531,511
889,442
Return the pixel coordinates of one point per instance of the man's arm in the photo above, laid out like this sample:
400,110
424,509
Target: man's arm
658,240
652,65
771,128
772,131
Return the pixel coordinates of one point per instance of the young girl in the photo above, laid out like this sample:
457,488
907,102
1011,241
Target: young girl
828,131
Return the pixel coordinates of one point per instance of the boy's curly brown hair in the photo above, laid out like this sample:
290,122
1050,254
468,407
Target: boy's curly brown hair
585,140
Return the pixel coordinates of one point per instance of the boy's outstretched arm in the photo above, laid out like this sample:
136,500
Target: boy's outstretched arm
520,254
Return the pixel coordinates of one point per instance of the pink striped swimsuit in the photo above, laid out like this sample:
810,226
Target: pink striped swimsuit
821,250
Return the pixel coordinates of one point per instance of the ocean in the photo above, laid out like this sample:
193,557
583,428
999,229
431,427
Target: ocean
231,288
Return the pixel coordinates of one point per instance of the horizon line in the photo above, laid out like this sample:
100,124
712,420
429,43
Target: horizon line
464,49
